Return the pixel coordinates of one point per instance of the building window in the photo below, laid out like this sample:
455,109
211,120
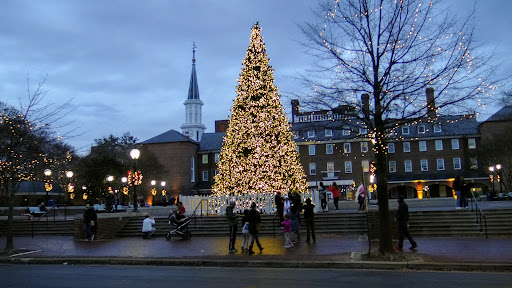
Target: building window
312,168
439,145
424,164
192,170
473,163
328,149
216,172
407,146
392,166
440,164
312,149
437,128
311,133
457,164
330,169
471,143
205,176
363,131
205,158
346,148
455,144
391,147
408,165
423,146
366,165
217,157
346,131
405,130
421,129
328,132
348,167
297,148
364,147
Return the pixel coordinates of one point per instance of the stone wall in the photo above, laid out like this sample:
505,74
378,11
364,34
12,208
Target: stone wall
107,226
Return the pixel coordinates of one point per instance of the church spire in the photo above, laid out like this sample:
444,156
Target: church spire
193,127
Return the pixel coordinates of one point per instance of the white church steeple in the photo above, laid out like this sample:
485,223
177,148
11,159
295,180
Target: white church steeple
193,126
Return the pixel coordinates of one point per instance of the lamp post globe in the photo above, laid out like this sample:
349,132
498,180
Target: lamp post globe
135,154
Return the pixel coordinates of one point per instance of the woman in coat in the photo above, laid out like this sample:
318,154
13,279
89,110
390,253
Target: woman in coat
254,221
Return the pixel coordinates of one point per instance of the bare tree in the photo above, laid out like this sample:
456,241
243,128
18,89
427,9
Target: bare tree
28,143
393,51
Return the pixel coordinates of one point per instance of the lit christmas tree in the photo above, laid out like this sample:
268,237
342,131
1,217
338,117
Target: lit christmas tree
258,154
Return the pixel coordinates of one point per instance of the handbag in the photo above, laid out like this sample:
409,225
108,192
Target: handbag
92,222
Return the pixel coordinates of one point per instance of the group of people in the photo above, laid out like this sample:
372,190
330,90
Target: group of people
251,225
461,192
174,217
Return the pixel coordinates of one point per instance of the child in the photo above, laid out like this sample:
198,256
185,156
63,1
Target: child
287,232
245,230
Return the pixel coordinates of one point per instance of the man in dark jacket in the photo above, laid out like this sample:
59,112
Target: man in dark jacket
402,216
233,223
309,214
278,200
90,222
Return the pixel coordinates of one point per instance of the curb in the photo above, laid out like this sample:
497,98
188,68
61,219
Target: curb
366,265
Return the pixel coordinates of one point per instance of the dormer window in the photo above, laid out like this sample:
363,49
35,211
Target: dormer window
405,130
311,133
421,129
328,132
363,131
346,131
437,128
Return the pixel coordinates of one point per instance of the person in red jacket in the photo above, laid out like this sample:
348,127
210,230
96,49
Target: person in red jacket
335,193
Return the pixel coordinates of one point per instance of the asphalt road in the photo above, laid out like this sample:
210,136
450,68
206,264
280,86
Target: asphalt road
52,276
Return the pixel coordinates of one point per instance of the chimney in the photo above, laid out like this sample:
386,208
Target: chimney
295,109
366,106
431,103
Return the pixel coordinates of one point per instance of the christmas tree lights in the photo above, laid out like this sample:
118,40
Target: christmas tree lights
258,155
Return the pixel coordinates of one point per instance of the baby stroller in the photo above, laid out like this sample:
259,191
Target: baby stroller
181,226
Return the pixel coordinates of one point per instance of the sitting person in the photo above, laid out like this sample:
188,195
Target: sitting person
180,212
147,227
42,207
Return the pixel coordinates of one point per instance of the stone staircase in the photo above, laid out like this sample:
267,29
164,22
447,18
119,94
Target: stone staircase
439,223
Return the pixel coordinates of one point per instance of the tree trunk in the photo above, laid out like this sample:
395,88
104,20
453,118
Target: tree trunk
9,243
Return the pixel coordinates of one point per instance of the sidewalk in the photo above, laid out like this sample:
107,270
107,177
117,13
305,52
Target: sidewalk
332,252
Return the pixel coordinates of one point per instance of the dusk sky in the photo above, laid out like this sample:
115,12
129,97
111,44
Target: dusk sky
126,64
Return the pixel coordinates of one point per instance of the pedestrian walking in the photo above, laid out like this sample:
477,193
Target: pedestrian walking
287,231
322,194
309,219
402,216
233,225
147,227
254,227
335,194
279,202
90,222
245,231
295,223
459,188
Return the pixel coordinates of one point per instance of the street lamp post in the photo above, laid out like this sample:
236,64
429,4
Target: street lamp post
135,153
498,173
70,187
491,169
47,173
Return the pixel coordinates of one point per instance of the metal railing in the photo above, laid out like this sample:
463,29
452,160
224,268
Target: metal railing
46,213
479,214
194,214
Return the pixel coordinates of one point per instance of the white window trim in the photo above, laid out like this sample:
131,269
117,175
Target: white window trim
346,131
329,150
405,130
328,132
406,166
457,146
312,168
471,143
312,150
408,145
363,131
205,173
440,146
192,170
348,167
459,162
345,150
424,148
311,133
421,164
217,157
422,129
364,147
392,166
389,146
437,128
204,158
440,161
